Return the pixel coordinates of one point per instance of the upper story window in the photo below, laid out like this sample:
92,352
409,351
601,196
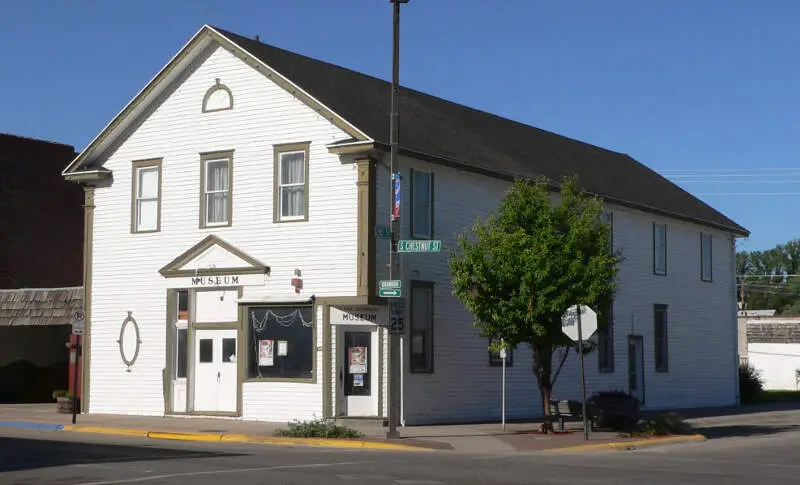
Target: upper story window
421,204
217,98
146,194
291,182
216,180
659,248
705,257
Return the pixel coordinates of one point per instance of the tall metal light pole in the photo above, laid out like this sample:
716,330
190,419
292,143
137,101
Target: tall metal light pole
394,128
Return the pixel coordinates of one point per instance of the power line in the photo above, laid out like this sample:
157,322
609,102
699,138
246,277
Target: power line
711,170
752,182
759,194
768,275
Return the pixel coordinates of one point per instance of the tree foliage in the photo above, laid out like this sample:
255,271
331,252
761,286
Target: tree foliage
770,279
533,258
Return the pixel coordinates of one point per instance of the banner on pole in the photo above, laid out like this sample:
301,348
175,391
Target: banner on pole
396,202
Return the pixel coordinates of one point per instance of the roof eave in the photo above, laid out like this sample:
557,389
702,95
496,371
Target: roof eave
354,147
88,177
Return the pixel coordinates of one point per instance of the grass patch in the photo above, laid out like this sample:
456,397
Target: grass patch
768,397
318,428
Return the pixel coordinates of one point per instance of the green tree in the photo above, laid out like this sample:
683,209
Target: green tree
533,258
768,280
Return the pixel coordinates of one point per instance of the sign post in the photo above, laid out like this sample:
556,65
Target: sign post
572,324
503,355
394,220
78,329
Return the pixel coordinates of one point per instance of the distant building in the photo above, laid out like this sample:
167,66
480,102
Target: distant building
41,269
772,346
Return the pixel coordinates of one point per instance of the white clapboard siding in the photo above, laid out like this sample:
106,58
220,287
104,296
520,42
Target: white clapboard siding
125,266
702,321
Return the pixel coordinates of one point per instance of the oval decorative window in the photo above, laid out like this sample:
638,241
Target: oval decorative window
129,341
217,98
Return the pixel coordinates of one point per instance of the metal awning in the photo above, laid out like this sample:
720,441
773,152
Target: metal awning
39,306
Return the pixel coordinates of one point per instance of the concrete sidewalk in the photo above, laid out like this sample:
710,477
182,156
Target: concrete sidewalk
473,438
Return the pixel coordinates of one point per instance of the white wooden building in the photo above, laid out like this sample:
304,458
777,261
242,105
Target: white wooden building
235,217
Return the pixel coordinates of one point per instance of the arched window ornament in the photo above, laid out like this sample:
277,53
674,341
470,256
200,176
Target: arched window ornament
217,98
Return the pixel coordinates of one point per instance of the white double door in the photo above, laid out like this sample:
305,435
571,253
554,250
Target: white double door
215,371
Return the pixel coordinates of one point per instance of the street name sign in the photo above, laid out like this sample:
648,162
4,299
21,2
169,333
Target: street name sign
419,246
391,284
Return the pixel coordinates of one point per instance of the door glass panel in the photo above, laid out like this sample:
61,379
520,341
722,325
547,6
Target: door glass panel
357,363
183,335
206,350
229,350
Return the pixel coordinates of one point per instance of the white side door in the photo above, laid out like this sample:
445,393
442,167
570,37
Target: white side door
636,367
227,388
359,386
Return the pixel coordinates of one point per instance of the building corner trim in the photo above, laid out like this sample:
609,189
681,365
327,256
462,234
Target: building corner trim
88,241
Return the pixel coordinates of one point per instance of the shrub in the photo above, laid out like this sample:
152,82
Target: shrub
318,428
751,385
62,393
616,410
669,423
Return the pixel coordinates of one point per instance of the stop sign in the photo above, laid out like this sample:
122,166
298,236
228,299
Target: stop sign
569,322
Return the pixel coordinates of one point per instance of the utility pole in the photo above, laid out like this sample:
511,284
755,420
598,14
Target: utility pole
394,223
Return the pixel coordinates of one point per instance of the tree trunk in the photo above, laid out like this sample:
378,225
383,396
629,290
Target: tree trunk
542,367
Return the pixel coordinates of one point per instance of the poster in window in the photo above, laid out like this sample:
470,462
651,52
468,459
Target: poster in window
265,353
358,380
357,360
283,348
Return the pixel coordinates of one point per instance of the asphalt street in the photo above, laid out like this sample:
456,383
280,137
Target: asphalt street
50,457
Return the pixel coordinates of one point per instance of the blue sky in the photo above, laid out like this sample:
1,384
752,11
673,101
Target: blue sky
702,91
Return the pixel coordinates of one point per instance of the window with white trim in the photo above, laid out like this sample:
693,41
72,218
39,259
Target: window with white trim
292,185
706,273
421,204
659,249
146,195
217,201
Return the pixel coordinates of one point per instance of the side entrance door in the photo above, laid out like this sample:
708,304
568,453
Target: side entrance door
358,372
215,371
636,366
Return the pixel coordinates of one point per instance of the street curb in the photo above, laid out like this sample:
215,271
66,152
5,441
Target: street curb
216,437
627,445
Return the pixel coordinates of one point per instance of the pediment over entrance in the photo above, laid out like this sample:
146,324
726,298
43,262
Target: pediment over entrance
213,256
